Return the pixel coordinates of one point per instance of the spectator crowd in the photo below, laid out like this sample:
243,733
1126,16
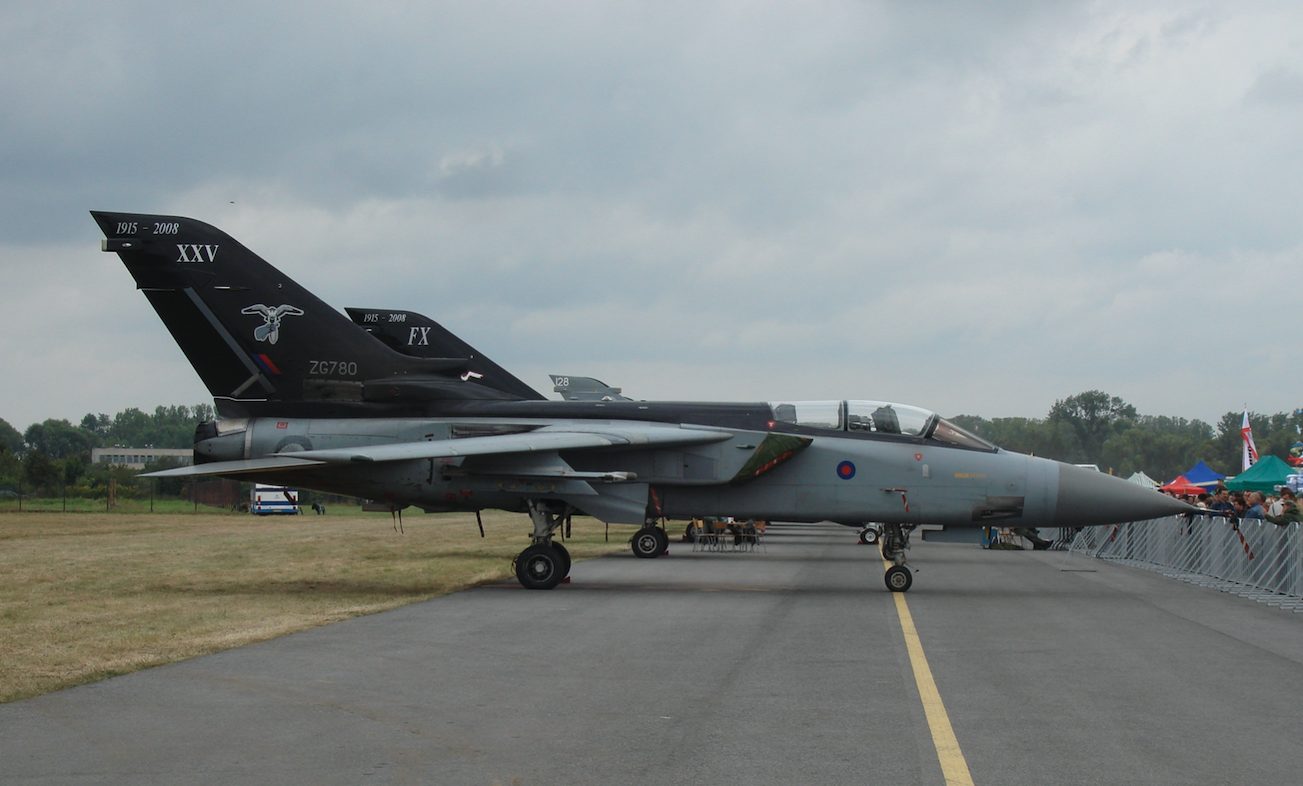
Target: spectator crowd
1236,505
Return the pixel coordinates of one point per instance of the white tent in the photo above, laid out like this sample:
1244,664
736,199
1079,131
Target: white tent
1141,479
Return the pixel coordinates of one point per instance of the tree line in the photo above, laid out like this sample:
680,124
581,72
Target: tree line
1096,428
55,454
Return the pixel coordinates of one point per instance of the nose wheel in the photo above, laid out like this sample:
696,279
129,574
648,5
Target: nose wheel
895,540
899,578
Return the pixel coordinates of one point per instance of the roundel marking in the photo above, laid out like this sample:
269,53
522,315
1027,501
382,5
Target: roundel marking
846,470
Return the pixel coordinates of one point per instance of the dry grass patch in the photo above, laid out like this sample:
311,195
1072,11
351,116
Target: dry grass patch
89,596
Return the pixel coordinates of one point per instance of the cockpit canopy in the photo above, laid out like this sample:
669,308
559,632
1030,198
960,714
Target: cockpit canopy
875,417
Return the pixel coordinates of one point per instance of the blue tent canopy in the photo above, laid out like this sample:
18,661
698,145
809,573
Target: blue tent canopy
1203,475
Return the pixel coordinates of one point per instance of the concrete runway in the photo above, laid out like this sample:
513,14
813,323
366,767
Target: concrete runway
786,667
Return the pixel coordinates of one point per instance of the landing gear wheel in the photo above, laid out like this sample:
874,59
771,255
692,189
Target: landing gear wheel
690,534
565,558
868,536
539,567
649,542
899,578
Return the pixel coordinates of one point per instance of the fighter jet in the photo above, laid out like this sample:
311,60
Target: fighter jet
392,407
574,388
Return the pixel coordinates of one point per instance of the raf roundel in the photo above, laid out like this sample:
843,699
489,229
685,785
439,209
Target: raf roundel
846,470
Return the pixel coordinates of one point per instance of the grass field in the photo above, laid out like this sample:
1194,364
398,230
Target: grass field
84,596
85,505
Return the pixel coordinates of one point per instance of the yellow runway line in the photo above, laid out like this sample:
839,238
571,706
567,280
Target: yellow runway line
953,765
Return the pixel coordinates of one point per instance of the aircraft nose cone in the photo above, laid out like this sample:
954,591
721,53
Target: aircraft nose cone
1088,498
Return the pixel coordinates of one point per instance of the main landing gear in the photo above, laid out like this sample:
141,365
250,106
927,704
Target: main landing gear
895,540
544,564
649,542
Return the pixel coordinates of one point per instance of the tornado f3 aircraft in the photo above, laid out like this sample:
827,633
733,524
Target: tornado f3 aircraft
388,405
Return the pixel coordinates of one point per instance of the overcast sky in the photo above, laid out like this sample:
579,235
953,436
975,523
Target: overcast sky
975,208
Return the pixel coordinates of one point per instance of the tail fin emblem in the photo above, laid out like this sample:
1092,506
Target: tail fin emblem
270,328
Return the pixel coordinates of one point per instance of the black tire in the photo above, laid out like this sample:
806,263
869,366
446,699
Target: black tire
565,558
539,567
649,542
663,538
690,534
899,578
869,536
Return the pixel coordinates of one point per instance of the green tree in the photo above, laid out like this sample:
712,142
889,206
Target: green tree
1020,435
40,471
1162,447
98,424
11,470
165,487
73,467
59,439
1092,417
1273,435
1156,449
166,427
10,439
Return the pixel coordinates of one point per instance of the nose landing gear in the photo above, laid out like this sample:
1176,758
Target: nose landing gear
895,541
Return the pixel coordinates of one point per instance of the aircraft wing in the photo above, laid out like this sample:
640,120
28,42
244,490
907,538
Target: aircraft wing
549,438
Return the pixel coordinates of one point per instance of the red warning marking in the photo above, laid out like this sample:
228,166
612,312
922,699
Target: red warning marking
772,464
282,424
1243,542
918,456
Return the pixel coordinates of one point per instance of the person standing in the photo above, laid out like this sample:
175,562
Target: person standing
1255,510
1290,511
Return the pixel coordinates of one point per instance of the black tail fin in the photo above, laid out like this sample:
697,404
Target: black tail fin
255,335
419,336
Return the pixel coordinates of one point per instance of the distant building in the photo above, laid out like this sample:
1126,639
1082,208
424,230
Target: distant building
137,458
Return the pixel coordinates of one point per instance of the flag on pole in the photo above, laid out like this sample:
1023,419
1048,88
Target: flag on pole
1250,454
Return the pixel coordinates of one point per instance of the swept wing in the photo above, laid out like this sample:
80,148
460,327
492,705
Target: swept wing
546,439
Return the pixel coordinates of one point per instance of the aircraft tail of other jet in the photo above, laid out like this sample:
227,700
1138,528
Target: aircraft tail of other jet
419,336
255,335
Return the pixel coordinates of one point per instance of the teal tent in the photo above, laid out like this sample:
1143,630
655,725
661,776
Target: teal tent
1265,475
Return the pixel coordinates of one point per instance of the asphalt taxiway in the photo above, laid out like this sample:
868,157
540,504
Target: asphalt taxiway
782,667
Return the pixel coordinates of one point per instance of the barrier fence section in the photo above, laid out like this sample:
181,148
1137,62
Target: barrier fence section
1253,559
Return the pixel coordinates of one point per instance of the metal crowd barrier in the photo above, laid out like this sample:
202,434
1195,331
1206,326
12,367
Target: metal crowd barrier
1256,559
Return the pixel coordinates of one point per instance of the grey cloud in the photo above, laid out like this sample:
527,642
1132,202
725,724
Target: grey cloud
893,195
1280,85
